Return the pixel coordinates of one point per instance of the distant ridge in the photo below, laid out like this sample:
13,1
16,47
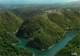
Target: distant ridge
72,4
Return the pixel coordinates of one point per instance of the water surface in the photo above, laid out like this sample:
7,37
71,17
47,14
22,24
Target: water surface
54,49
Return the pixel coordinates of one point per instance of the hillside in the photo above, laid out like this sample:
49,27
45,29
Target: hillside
47,28
9,23
41,27
43,31
71,48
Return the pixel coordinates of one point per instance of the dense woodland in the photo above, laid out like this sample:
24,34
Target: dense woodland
9,23
72,47
47,27
41,27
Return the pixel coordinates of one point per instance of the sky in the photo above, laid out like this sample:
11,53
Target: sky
34,1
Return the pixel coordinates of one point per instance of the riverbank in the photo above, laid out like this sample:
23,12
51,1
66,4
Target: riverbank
73,48
57,47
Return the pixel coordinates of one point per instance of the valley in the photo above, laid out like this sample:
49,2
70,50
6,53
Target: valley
39,31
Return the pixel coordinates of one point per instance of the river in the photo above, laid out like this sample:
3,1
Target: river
54,49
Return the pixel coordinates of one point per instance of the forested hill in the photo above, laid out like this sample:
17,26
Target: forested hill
9,23
41,27
48,27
